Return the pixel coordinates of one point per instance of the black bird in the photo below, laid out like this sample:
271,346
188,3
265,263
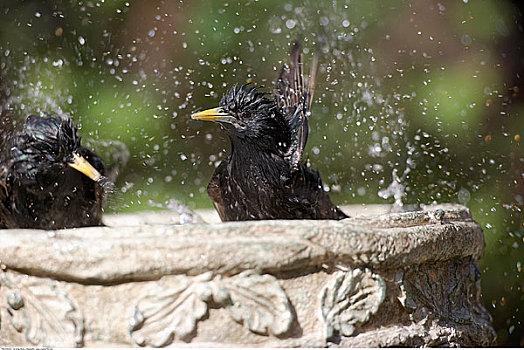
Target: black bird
264,177
48,180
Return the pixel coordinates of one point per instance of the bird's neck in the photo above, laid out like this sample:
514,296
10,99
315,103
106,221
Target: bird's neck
244,150
248,157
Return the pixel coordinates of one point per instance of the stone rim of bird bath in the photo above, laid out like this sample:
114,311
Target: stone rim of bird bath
147,247
385,258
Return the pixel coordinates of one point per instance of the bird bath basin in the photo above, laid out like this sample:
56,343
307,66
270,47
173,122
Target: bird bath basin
375,279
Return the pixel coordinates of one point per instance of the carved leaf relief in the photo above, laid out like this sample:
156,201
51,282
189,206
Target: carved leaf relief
259,302
350,299
45,315
172,309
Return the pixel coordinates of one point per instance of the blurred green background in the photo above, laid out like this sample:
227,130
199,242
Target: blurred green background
425,94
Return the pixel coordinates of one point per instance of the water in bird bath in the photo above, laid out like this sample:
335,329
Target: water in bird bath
415,102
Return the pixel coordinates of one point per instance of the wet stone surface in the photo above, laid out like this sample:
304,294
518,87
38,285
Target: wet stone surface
375,279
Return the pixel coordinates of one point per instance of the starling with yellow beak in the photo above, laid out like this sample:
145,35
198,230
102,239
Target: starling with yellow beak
264,176
48,180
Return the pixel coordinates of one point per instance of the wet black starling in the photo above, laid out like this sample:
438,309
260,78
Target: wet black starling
264,176
48,180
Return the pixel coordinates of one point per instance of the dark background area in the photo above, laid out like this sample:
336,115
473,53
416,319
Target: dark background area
425,95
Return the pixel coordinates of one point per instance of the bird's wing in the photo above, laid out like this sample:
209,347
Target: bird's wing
214,192
306,192
294,97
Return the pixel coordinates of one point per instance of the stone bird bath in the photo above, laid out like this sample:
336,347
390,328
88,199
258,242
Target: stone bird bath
376,279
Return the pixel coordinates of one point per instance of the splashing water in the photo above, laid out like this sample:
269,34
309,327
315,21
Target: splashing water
108,185
397,187
187,216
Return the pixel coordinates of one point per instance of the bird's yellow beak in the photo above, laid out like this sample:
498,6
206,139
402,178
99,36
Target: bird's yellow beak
213,114
79,163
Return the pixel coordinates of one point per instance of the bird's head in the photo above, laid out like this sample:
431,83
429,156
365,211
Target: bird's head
48,145
248,115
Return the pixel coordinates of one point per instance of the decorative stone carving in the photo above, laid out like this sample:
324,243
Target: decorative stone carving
172,308
257,301
449,292
387,279
350,299
45,315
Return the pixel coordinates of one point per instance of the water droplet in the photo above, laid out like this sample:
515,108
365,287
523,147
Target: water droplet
466,40
463,196
58,63
291,23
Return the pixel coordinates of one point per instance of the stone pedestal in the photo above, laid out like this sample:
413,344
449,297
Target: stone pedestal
401,279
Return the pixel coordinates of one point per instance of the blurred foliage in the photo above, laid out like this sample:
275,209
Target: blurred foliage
427,91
